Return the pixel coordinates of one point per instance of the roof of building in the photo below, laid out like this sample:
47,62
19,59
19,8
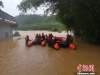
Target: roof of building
6,17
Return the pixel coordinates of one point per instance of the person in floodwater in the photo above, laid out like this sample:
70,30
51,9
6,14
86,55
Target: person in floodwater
63,44
37,39
43,40
69,40
42,37
50,40
56,43
66,42
46,37
27,40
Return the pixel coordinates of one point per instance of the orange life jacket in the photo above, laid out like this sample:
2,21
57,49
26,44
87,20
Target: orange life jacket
56,46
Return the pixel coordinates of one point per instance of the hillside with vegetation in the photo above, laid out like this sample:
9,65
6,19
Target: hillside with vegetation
37,22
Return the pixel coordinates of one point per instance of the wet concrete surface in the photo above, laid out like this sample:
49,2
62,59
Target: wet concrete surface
16,59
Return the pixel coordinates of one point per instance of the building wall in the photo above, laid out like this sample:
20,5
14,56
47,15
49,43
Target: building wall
5,31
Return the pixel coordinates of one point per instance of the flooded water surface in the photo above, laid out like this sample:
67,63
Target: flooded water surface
16,59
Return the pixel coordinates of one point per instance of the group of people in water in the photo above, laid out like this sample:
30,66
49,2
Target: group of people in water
52,41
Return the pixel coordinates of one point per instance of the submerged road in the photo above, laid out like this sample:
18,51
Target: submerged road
16,59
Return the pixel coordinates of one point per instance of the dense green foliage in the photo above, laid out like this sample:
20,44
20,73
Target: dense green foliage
36,22
81,15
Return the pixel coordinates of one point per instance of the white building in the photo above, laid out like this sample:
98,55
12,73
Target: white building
7,24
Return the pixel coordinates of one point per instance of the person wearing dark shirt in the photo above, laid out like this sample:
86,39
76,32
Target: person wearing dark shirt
27,40
69,40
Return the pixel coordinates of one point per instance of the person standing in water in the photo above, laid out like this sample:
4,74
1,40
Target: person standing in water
69,40
27,40
50,40
42,37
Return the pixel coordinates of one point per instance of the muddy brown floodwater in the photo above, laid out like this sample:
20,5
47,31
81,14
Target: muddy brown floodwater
16,59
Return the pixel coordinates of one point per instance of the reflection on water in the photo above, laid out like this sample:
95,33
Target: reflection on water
16,59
